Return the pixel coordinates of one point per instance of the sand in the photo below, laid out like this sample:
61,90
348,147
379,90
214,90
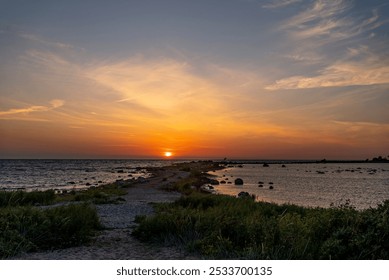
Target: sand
115,242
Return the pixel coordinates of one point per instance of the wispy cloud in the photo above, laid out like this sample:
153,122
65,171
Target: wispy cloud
55,103
43,41
361,67
330,20
274,4
324,36
161,85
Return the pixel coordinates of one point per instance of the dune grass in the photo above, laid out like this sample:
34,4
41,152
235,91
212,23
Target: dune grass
21,198
109,193
27,228
224,227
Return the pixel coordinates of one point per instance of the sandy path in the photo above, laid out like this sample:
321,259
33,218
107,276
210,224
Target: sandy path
116,241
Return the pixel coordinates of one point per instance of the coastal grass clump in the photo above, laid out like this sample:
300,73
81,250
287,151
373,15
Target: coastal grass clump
224,227
98,195
27,229
197,176
22,198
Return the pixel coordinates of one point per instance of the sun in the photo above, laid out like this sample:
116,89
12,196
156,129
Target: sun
168,154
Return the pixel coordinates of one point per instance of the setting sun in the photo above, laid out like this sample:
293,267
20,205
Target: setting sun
168,154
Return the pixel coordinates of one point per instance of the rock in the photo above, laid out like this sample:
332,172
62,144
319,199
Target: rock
283,165
207,188
265,165
222,182
261,183
141,180
71,183
238,181
244,194
260,186
271,187
213,182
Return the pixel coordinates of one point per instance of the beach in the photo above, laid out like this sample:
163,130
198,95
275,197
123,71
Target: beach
115,241
203,226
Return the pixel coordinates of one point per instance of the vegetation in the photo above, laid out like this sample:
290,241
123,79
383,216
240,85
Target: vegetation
20,198
197,176
26,228
101,195
218,226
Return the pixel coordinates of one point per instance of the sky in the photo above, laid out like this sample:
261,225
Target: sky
248,79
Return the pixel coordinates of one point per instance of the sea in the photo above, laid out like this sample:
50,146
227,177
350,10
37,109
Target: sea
64,174
360,185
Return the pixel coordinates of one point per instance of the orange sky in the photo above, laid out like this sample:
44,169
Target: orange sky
109,85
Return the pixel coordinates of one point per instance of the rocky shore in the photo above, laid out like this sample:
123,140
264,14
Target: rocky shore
116,241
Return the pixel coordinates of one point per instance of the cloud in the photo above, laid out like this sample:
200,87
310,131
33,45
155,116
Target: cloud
274,4
337,75
56,103
330,20
40,40
161,85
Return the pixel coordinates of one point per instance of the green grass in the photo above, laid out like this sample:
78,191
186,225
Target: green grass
217,226
20,198
101,195
26,228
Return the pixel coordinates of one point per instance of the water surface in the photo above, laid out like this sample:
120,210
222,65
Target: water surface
364,185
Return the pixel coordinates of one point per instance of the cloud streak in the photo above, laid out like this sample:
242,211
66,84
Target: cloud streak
330,20
55,103
275,4
361,68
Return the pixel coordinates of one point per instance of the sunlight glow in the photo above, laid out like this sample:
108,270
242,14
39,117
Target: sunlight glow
168,154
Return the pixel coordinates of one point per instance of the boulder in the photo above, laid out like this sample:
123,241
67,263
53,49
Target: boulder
244,194
238,181
213,182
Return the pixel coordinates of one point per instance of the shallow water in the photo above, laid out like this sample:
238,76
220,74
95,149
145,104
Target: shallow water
68,174
364,185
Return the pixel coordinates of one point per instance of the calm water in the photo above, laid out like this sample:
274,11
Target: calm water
364,185
68,174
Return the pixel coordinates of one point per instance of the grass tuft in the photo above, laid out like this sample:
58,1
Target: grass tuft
21,198
26,228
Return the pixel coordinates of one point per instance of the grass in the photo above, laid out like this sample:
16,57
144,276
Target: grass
223,227
20,198
197,176
26,228
101,195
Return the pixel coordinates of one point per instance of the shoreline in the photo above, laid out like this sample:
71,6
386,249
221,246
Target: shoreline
115,241
168,184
